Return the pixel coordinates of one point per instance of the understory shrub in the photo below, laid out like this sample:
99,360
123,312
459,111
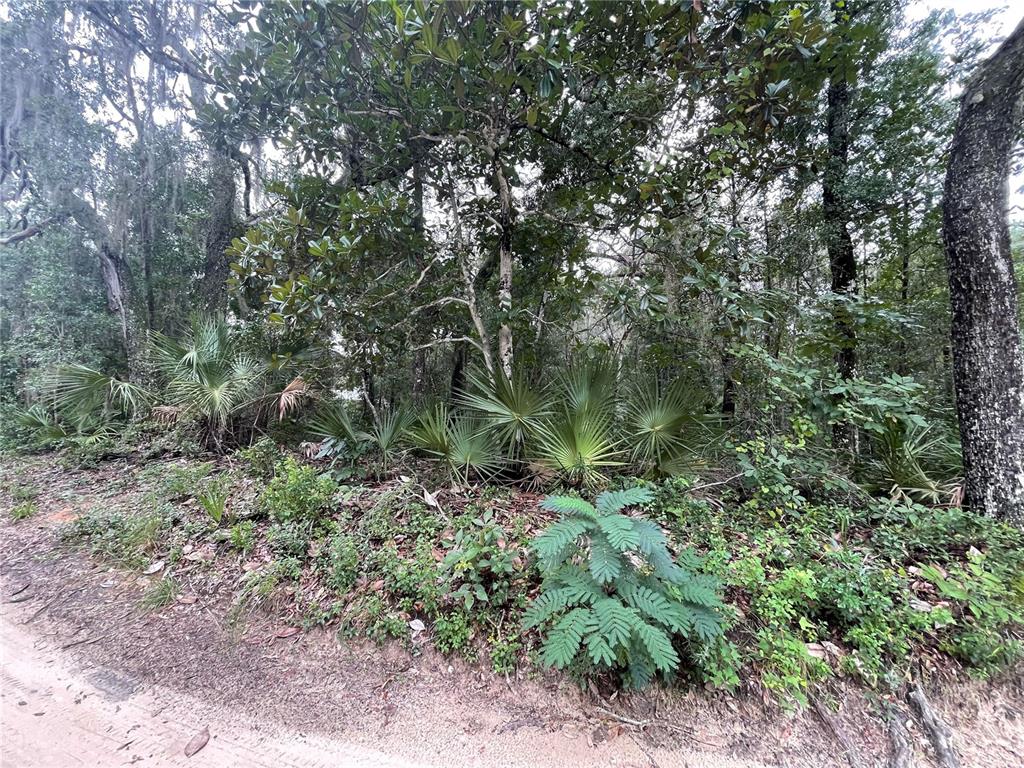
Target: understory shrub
828,589
613,597
297,493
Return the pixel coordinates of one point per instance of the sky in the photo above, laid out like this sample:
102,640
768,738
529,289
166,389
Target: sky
1008,15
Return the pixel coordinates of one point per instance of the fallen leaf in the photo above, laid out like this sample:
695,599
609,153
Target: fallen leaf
187,599
154,568
416,626
287,631
816,650
431,499
198,742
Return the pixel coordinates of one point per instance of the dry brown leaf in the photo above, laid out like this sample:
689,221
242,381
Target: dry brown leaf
197,742
287,631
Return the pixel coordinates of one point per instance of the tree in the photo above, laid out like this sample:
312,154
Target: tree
988,360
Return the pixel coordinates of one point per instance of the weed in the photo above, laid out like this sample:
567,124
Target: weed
297,493
452,633
504,654
122,538
242,536
261,458
162,593
23,510
341,562
214,498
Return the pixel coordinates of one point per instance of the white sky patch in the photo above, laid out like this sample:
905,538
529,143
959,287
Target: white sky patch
1006,16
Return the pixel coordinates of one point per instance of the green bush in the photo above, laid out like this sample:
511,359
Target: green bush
613,597
341,562
23,510
298,493
827,589
261,458
452,632
243,536
479,564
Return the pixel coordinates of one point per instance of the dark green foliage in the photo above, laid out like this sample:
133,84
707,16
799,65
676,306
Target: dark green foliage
479,565
298,493
830,589
613,595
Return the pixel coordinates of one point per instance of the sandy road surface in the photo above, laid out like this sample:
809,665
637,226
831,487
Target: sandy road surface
54,714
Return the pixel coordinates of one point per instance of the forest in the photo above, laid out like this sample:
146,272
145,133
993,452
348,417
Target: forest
662,345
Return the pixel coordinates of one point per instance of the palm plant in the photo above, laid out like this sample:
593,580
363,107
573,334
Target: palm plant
388,430
661,425
206,374
579,447
509,408
917,462
579,443
465,447
85,396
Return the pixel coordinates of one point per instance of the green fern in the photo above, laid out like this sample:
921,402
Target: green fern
613,596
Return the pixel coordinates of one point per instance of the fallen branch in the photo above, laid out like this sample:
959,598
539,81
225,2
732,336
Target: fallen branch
902,748
939,734
849,748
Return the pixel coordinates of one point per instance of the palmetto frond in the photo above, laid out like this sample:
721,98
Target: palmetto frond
579,446
510,408
81,394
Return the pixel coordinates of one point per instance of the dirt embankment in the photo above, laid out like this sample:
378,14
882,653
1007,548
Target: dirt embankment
91,678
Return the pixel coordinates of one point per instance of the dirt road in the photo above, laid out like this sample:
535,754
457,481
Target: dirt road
54,715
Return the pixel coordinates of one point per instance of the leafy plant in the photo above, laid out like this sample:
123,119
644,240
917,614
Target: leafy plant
161,594
214,497
613,597
207,372
465,447
242,536
509,408
479,564
579,447
23,510
297,493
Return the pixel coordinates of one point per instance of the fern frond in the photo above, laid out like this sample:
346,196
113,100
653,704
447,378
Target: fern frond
614,621
658,646
599,651
648,602
565,638
568,505
547,604
618,529
551,544
605,563
613,501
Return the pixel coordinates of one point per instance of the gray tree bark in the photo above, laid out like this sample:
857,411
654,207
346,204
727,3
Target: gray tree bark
988,363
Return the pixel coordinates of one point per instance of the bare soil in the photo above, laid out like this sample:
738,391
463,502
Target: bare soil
92,678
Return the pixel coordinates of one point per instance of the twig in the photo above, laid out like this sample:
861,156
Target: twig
86,641
938,732
712,485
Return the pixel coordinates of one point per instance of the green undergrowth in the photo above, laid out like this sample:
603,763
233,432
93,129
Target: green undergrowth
739,591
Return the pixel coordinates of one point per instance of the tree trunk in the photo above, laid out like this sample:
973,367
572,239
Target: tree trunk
841,259
220,230
505,351
988,363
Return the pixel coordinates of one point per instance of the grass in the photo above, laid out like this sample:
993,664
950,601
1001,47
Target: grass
24,510
160,594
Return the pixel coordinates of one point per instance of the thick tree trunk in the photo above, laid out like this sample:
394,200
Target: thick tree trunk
220,230
988,363
841,259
